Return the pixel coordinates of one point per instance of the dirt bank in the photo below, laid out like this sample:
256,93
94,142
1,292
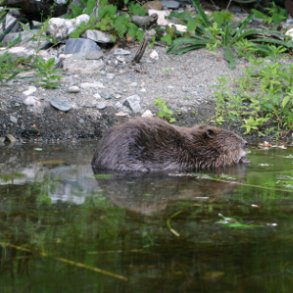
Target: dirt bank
101,93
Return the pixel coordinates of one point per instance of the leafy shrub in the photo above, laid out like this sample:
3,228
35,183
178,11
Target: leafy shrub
219,30
47,74
272,15
262,99
9,67
119,24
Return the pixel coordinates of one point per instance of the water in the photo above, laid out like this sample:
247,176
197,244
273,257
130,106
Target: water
64,230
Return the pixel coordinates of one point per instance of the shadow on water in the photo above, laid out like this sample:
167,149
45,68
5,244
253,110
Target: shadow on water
62,228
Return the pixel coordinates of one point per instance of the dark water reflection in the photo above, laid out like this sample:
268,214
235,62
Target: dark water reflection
64,230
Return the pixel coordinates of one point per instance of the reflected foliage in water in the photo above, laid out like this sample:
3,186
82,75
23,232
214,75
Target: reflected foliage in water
63,228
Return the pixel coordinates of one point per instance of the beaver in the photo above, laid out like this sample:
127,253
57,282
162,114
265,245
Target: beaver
152,144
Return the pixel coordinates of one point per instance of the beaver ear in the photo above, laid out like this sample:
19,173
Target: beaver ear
209,133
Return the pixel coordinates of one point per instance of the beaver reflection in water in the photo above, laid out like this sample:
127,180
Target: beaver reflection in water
151,144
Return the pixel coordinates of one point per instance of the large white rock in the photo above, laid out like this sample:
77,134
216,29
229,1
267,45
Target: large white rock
60,28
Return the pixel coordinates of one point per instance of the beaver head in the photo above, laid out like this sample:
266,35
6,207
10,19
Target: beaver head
213,147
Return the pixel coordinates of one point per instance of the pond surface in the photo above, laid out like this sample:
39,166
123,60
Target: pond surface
63,229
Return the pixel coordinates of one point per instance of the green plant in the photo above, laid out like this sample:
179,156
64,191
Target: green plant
118,24
11,65
109,20
272,15
8,68
262,99
219,30
164,111
82,7
136,9
47,74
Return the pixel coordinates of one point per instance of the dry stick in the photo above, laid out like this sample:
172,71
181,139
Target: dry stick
69,262
139,53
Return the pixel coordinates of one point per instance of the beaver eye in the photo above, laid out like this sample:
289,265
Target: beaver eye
210,133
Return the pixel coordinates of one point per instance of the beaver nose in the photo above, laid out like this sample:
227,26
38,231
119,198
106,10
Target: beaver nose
244,144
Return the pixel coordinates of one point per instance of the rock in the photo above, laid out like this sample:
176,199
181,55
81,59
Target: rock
95,55
133,103
10,138
61,104
171,4
26,74
29,101
147,113
162,16
80,46
99,36
97,96
87,85
289,33
179,27
82,66
19,51
107,95
133,84
60,28
101,106
13,119
73,89
157,5
121,59
121,117
154,55
31,39
29,91
122,114
110,75
22,37
33,103
120,51
145,21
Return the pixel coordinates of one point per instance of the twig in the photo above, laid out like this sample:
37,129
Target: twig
142,47
169,224
68,261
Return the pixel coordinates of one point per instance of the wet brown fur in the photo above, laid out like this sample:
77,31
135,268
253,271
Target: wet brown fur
152,144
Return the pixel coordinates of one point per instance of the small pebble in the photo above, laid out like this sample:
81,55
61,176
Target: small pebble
30,90
94,55
13,119
87,85
107,96
101,106
97,96
73,89
31,101
147,114
61,104
120,51
121,114
154,55
110,75
10,138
